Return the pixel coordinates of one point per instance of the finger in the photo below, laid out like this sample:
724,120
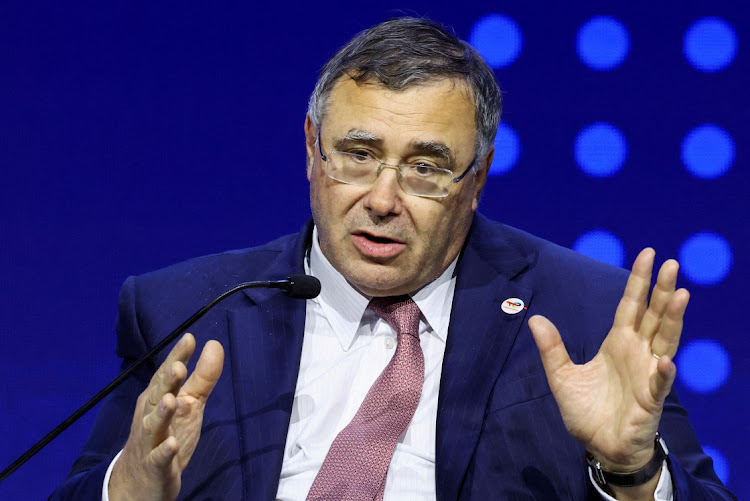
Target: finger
181,352
169,381
666,281
633,302
171,373
163,455
667,339
156,423
207,372
661,381
550,345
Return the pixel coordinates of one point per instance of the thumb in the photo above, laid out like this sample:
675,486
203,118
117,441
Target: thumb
550,345
207,372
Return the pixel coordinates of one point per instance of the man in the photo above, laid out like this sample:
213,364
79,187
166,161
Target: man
317,401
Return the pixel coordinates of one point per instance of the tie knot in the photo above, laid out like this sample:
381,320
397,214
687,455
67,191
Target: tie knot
401,313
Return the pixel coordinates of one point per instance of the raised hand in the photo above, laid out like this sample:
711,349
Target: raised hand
166,425
612,404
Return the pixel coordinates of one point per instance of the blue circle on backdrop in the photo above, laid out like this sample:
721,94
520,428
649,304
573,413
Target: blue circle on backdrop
603,43
710,44
507,150
706,258
498,39
708,151
703,365
721,465
600,150
602,246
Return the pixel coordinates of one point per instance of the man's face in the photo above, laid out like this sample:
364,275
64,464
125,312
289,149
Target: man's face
382,240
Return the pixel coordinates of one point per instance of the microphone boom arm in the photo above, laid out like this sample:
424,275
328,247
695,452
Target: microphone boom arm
287,286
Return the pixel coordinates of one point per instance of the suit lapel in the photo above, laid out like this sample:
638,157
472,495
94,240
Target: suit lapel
265,336
479,339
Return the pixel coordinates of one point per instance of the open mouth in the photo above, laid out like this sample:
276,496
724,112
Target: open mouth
379,240
377,246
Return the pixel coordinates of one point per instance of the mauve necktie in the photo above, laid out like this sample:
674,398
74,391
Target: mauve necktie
357,462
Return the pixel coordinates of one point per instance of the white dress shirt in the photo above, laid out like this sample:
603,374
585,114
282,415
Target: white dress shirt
345,348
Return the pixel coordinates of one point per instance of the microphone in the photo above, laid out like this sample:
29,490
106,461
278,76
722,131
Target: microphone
296,286
301,286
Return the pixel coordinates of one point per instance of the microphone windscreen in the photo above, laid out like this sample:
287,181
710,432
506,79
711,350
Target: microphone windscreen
303,287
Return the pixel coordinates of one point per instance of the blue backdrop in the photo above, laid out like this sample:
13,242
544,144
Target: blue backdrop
129,132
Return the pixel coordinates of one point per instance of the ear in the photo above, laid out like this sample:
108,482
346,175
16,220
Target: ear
481,177
311,136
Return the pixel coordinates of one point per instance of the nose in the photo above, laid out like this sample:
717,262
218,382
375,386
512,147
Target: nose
384,196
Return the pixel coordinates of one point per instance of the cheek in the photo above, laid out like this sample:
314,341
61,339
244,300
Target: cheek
331,203
324,214
446,227
432,224
321,195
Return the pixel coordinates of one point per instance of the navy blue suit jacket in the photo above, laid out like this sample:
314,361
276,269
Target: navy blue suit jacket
499,431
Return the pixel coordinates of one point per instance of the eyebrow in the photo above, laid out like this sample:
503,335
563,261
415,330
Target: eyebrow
431,148
435,148
356,135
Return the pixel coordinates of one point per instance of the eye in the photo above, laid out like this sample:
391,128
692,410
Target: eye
424,170
360,155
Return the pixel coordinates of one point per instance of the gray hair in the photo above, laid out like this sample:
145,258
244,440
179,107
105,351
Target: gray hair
411,51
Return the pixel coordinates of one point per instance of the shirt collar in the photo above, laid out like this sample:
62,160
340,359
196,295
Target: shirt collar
436,299
343,305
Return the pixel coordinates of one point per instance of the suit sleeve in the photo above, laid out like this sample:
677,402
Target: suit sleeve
112,425
693,476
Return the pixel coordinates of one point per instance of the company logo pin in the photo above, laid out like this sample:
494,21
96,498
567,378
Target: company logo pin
513,305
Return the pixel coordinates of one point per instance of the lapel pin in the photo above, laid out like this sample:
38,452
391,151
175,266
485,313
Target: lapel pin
513,305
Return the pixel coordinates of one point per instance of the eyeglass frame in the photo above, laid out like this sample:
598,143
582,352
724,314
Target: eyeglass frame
398,168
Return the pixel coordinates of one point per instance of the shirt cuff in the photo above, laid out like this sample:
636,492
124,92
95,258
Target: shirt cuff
663,488
105,484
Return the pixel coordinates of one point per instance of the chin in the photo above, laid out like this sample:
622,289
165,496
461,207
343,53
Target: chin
383,286
376,279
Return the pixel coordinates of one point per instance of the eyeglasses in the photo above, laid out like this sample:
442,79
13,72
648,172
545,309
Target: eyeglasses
360,169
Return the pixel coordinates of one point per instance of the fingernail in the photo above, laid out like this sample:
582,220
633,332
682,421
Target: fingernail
162,407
